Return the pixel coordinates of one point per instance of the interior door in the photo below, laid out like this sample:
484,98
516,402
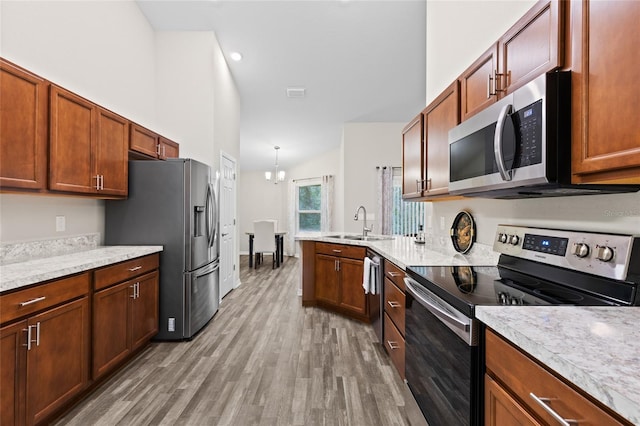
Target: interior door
227,223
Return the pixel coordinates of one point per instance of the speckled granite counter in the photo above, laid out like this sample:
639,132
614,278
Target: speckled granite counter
596,348
403,251
20,274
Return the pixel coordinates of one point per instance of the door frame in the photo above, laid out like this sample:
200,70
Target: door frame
234,208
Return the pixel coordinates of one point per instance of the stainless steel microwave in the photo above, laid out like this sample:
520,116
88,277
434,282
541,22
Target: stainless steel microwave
520,147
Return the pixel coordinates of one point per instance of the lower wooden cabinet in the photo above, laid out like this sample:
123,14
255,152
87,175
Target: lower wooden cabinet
394,315
337,279
520,391
125,314
45,356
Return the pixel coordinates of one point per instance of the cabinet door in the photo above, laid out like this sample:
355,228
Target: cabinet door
13,354
439,117
23,133
533,46
143,141
72,139
168,149
112,153
478,84
111,331
412,157
352,295
57,366
144,310
605,91
501,409
326,283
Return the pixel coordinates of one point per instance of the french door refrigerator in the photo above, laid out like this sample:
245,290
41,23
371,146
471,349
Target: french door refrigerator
173,203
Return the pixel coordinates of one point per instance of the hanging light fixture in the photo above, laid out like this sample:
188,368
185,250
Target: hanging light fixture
278,176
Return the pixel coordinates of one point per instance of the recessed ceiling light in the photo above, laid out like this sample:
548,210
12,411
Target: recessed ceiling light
236,56
296,92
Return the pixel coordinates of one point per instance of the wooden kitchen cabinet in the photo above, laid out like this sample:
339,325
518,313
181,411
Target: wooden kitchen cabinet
440,116
125,313
513,378
605,92
145,143
412,157
88,147
531,47
478,84
338,279
45,349
394,315
23,133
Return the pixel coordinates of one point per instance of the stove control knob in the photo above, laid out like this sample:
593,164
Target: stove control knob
514,240
503,238
604,253
580,249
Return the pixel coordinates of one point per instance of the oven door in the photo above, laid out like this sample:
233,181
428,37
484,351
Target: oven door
442,365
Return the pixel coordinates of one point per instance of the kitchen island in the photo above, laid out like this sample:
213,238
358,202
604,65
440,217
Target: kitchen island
594,348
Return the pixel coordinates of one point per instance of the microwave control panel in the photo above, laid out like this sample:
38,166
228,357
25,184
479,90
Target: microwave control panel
529,121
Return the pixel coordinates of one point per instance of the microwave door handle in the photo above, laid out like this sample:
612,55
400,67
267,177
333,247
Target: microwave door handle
497,142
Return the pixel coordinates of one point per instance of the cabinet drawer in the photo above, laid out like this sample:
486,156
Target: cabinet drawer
341,250
394,344
122,271
395,274
33,299
523,376
394,304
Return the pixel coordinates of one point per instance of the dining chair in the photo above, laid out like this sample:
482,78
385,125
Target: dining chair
264,241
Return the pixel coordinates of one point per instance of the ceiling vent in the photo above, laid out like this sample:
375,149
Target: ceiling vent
295,92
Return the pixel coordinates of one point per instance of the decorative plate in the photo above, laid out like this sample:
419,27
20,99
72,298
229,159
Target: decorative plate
463,232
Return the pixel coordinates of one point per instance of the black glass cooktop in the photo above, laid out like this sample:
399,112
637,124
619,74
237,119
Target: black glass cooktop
464,287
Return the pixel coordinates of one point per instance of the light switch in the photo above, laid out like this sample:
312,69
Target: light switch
61,223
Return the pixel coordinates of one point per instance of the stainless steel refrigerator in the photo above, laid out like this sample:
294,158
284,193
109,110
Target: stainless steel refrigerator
173,203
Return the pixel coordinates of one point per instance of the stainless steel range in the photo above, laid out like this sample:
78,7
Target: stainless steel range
444,343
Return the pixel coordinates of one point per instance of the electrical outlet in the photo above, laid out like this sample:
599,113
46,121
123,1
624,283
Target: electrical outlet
61,223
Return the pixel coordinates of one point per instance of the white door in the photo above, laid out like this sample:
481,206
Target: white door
227,223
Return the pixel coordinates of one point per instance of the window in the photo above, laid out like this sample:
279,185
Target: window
406,217
308,212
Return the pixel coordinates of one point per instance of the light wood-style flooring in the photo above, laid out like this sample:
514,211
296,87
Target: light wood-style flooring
263,360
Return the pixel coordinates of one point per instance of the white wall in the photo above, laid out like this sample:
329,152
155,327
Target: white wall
449,51
365,146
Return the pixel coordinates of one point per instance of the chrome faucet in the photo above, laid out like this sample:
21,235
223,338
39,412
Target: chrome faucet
365,230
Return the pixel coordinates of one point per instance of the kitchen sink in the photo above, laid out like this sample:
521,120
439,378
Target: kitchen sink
359,237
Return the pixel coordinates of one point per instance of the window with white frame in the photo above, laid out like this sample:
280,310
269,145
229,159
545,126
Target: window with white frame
308,206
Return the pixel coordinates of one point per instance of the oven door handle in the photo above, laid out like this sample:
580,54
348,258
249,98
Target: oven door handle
436,310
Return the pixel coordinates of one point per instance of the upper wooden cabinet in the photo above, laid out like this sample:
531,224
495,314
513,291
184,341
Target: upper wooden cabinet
532,46
150,144
23,129
605,91
412,157
87,146
439,117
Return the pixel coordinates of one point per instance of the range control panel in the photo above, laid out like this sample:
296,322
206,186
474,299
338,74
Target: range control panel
606,255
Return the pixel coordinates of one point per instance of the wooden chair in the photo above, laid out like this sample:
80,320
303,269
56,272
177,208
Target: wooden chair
264,241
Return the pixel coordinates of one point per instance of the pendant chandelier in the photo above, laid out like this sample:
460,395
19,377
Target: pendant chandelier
278,176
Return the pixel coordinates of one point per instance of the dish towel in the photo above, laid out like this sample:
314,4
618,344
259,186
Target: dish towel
366,276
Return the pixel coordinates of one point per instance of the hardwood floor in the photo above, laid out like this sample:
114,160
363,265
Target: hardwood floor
263,360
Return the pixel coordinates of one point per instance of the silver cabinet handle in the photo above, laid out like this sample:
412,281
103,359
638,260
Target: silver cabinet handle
29,302
336,251
135,268
393,304
28,330
543,403
136,290
158,149
394,274
37,333
338,263
29,339
393,345
102,182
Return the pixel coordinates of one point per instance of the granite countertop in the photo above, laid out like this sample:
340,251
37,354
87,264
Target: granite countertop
20,274
403,251
595,348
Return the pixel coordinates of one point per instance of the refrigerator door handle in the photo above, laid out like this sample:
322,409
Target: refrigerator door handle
210,215
209,269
